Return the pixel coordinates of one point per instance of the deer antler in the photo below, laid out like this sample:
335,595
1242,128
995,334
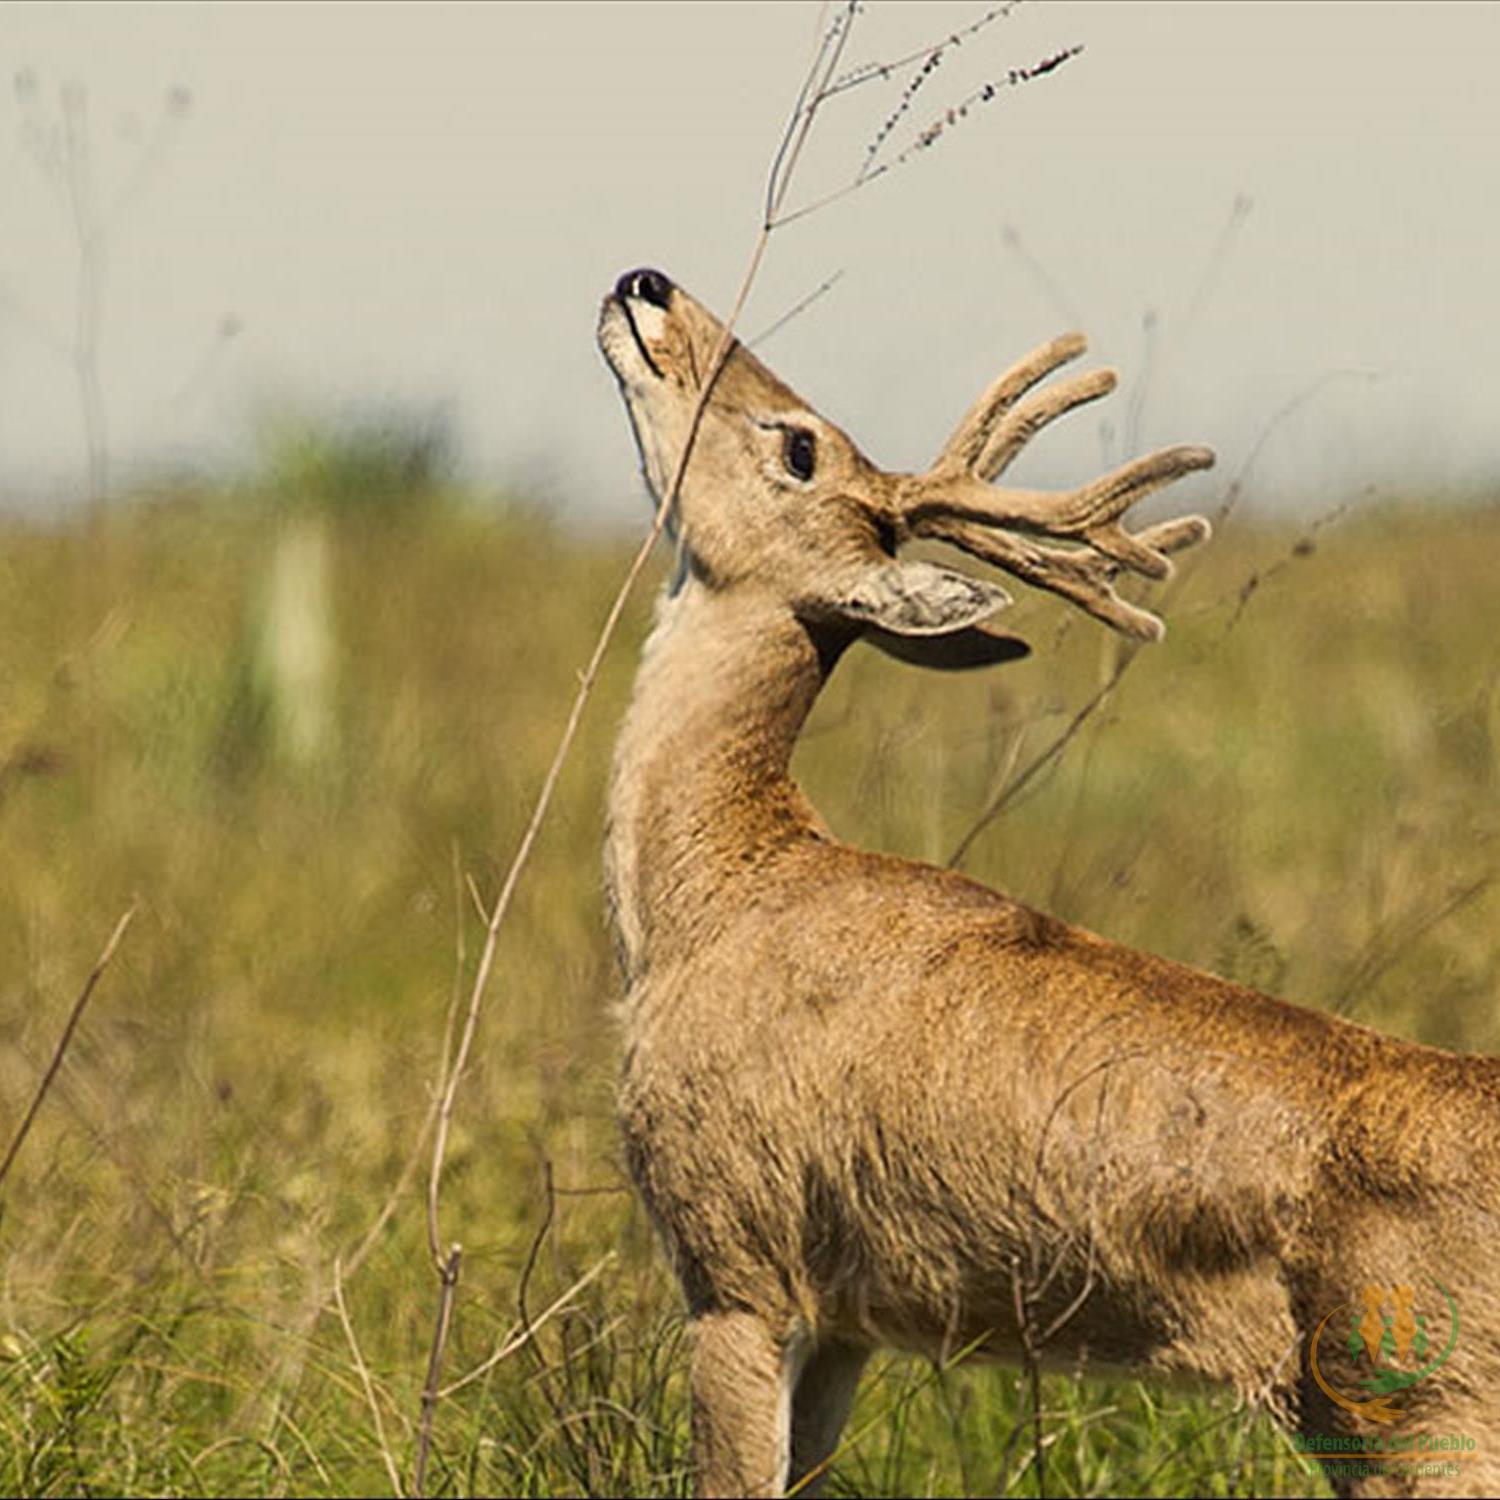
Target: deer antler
955,502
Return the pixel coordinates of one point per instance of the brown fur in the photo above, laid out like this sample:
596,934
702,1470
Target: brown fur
871,1102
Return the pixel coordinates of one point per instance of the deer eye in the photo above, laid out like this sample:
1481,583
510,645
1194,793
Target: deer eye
799,452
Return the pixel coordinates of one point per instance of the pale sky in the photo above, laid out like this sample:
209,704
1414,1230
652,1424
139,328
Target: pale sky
425,203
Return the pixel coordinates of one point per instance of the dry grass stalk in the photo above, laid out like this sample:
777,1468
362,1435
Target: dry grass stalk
820,84
430,1391
366,1381
60,1051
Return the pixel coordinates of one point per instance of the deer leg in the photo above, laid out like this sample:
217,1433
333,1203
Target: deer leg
742,1379
820,1407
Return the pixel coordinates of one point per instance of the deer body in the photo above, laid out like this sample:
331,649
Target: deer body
871,1102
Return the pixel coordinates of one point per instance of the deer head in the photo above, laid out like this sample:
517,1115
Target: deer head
777,499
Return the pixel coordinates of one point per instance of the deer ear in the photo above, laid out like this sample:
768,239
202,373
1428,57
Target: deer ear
918,599
958,651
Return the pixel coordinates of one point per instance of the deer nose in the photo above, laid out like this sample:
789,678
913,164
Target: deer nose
650,286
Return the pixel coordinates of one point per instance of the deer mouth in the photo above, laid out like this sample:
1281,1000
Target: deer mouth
634,320
623,347
642,298
640,343
616,321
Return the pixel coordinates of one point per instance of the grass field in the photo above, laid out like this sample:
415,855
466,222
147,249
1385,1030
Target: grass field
1300,789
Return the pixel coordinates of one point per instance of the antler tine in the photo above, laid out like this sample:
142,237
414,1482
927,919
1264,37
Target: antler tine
1027,418
1110,497
962,450
1176,535
1083,514
1083,576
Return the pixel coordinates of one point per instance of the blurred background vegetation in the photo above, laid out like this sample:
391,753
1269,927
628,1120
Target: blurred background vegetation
290,717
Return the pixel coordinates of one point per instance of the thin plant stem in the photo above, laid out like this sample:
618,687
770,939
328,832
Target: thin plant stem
869,72
783,166
58,1052
430,1387
456,1062
587,678
817,87
796,310
365,1380
523,1336
1039,762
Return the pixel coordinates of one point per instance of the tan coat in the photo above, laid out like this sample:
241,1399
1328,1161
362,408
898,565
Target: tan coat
872,1102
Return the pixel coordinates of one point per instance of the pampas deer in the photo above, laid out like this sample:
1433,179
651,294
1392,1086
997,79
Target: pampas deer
871,1102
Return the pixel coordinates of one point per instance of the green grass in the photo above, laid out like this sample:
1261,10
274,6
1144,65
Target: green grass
1304,795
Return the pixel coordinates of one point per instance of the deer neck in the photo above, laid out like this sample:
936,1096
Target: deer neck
702,796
